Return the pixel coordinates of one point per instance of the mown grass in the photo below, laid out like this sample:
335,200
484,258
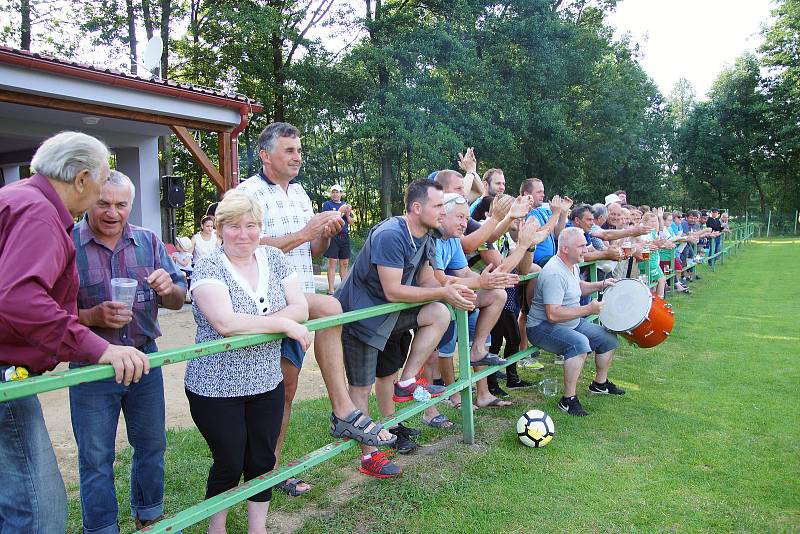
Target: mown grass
705,440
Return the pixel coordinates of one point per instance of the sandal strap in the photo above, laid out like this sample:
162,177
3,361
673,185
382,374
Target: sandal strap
363,423
355,428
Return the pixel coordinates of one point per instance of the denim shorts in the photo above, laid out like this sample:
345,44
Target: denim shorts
584,338
447,346
293,351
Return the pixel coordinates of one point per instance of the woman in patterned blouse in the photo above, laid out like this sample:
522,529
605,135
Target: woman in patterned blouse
236,397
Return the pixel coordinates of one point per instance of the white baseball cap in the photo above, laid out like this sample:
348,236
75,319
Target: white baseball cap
336,187
610,199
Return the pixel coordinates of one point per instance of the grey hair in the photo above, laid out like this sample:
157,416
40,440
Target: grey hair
449,202
67,154
599,210
117,178
569,235
270,135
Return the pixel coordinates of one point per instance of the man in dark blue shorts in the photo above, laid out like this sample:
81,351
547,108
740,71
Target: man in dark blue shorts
557,323
339,248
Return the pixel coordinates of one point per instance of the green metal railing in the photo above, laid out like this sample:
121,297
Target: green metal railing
208,507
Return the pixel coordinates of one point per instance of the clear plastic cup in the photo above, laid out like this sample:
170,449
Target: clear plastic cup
124,290
549,387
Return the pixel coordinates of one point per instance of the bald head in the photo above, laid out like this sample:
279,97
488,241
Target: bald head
451,181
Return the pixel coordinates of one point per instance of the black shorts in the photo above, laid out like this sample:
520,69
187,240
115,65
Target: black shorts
394,354
362,363
339,247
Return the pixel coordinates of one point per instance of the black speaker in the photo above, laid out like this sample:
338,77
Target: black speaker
174,193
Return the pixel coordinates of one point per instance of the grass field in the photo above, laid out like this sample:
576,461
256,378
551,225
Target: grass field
707,438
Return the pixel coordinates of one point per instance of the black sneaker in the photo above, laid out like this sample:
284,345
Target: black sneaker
500,375
518,384
404,444
408,431
499,392
570,405
609,388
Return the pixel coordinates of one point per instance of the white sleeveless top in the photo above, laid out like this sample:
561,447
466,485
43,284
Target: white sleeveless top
203,248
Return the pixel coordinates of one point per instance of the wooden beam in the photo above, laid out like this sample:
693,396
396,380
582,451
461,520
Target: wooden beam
199,156
225,162
26,99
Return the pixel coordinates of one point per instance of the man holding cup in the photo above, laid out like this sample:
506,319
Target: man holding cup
125,274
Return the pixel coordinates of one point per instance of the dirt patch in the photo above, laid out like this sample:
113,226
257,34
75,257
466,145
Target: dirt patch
178,330
350,488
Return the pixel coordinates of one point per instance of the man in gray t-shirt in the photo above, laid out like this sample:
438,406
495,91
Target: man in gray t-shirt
557,322
558,284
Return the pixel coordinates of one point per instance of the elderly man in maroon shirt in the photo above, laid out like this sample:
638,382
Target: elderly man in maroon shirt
39,323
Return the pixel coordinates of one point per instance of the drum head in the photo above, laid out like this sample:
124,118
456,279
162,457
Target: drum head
625,305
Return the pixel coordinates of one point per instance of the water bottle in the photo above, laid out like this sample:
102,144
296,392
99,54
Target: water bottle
421,394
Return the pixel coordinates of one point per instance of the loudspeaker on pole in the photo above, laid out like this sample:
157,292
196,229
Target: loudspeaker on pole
174,194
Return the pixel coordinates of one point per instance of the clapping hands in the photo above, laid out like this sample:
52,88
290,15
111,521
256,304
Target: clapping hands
467,161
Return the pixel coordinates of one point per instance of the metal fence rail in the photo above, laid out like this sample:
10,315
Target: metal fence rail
208,507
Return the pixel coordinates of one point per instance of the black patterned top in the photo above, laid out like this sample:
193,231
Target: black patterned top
250,370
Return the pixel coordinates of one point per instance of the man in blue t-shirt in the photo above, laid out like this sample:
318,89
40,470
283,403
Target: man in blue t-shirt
451,267
553,218
339,247
395,266
494,183
554,215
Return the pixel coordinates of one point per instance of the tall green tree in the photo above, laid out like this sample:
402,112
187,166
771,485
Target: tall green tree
781,51
725,143
682,99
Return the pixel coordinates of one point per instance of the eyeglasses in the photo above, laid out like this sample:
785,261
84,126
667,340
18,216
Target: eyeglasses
457,199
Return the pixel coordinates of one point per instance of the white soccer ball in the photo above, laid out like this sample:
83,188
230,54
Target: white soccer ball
535,428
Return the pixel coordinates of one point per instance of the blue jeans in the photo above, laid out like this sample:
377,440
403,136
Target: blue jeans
714,246
95,408
32,495
569,342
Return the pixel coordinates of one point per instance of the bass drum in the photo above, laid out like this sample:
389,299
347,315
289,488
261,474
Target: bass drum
633,311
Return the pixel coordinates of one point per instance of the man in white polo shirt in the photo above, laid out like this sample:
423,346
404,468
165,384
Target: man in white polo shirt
291,226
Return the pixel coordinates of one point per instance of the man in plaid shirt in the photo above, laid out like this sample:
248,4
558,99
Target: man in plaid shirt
108,247
291,226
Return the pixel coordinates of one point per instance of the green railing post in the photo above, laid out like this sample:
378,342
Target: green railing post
670,289
465,373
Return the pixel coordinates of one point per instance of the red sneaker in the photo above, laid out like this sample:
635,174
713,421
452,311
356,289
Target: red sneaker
406,393
380,466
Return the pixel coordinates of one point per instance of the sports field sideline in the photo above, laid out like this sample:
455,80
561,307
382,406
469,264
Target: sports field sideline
707,438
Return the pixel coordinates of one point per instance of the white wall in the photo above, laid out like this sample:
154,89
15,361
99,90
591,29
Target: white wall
140,163
10,173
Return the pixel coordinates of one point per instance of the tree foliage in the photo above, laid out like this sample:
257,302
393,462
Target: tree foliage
538,87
